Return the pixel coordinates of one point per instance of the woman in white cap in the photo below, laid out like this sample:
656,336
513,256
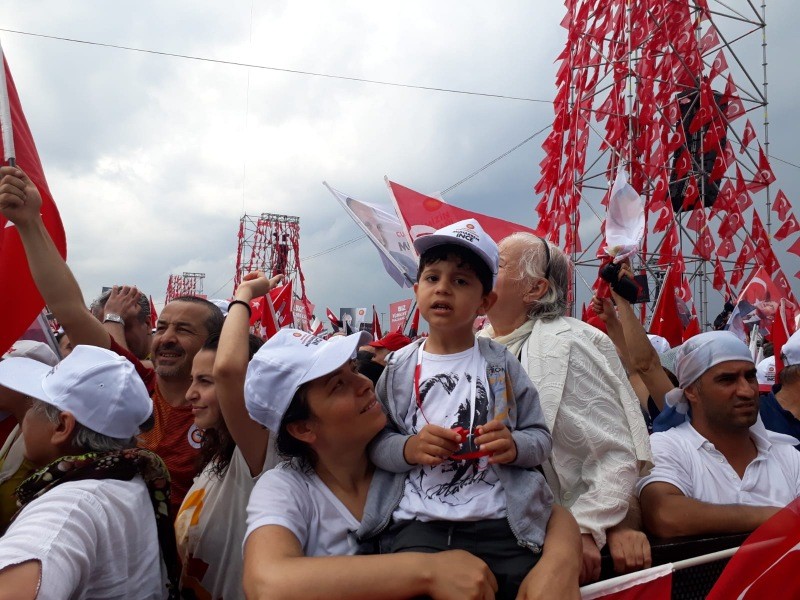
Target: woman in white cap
328,500
95,514
600,443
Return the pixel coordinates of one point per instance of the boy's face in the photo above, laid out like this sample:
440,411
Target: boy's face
450,296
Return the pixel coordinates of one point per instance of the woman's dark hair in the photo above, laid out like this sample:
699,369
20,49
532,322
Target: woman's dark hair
465,257
217,446
289,446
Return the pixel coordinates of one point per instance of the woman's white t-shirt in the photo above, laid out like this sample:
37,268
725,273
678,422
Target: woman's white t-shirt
295,498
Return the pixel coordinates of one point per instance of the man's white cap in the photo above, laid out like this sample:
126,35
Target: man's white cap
659,343
467,233
286,361
765,371
790,351
34,350
99,387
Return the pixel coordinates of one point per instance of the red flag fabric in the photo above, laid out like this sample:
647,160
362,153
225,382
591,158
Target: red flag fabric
666,321
20,308
764,176
412,333
782,206
651,584
398,314
256,310
336,324
376,325
779,335
423,215
277,310
153,314
748,136
790,226
767,563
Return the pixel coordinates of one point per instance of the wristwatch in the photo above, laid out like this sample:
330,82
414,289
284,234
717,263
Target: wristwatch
114,318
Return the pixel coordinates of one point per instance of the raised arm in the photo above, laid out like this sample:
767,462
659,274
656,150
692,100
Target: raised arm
668,513
230,368
275,568
20,203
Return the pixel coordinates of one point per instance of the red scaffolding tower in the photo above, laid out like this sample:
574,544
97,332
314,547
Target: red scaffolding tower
271,243
187,284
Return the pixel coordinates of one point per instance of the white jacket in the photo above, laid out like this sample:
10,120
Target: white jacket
600,441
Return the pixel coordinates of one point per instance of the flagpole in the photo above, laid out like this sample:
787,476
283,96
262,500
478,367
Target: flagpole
9,155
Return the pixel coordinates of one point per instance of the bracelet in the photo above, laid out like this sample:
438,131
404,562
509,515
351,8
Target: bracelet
243,303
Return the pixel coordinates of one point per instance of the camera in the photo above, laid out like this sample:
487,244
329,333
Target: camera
625,287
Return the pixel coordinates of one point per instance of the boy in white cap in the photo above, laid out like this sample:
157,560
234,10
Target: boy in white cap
719,471
92,517
466,427
780,404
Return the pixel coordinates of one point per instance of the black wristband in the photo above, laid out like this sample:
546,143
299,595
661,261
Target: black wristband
243,303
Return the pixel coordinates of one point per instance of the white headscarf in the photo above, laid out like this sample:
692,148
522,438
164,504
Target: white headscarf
697,355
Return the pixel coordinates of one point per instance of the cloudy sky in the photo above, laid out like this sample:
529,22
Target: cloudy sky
153,159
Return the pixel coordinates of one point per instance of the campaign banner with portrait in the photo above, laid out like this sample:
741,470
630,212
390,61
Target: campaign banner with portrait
398,314
352,317
756,307
384,230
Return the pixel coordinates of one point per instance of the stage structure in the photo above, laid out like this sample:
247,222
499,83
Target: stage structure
187,284
271,243
667,90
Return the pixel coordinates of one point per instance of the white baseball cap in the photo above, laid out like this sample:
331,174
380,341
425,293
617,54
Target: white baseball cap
659,343
99,387
765,371
286,361
34,350
467,233
790,351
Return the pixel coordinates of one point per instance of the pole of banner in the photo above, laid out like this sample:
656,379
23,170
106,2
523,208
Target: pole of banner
706,558
9,155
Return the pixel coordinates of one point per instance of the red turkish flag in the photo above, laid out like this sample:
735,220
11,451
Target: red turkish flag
767,563
779,335
743,199
20,301
697,220
665,216
726,247
731,224
789,227
666,321
726,196
153,314
795,247
709,41
719,275
422,215
704,245
748,136
782,206
735,108
720,65
746,254
376,325
277,310
764,176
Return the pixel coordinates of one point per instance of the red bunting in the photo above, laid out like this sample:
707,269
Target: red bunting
764,176
748,136
726,248
782,206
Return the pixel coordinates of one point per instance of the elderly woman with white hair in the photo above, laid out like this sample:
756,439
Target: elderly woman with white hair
600,444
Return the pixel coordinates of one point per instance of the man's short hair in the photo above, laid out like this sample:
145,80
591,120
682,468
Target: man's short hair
98,307
465,256
215,319
789,374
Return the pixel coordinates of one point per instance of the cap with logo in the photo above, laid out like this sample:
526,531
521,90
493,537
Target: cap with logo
765,371
467,233
99,387
286,361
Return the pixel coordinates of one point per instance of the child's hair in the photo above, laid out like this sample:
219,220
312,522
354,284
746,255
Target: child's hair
465,257
217,446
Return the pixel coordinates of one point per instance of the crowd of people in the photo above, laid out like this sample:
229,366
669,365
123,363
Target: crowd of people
198,461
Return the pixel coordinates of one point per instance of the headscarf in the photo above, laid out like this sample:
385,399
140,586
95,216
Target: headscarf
692,359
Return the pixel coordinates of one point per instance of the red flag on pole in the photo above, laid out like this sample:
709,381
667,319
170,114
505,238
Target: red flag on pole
666,320
779,335
153,314
651,584
277,309
376,325
20,308
336,324
412,333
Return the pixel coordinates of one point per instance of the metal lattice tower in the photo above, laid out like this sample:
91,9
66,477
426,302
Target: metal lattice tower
187,284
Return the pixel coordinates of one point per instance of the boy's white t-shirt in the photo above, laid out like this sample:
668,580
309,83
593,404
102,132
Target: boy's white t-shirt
465,490
299,501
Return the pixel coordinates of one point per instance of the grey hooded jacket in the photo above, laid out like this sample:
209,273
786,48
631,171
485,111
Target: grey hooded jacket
528,497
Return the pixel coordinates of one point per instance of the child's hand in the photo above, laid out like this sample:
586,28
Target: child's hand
431,446
495,438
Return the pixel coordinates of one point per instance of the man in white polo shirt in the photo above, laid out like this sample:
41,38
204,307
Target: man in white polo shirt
720,471
93,519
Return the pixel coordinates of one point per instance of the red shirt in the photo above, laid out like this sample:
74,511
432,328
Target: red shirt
174,436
